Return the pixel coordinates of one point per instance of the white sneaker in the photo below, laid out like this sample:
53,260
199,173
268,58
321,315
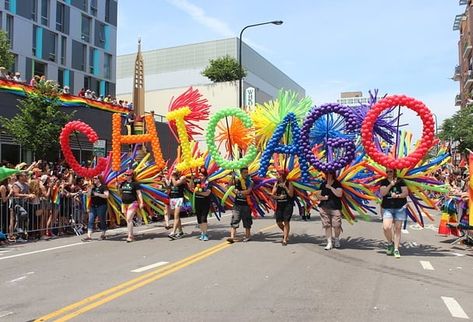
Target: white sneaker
337,243
329,246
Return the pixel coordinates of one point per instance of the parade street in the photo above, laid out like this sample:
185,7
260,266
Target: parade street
156,279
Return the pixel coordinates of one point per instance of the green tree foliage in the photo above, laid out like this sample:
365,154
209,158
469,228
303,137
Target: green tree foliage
6,57
459,128
224,69
39,121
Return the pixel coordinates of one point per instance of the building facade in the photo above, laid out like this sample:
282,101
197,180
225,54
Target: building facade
71,41
169,72
463,72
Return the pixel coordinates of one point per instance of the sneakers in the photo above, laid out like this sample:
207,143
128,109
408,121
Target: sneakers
246,239
201,236
180,234
336,243
230,240
329,246
390,249
172,236
205,237
397,255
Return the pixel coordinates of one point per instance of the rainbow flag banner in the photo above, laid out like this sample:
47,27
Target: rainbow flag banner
66,99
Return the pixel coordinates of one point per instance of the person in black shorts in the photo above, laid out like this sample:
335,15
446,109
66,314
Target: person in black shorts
98,193
241,208
283,193
131,201
330,207
202,201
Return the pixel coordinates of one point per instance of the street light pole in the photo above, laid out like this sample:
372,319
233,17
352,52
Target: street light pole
240,81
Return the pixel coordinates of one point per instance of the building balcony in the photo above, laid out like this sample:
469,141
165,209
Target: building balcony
467,50
458,100
456,74
462,2
469,80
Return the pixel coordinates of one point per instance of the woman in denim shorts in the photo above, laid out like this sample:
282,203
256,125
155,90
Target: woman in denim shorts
394,192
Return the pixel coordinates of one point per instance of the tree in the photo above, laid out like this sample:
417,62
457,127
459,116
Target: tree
459,128
223,69
39,122
6,57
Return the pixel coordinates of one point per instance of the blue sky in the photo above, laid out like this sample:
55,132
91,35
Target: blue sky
327,46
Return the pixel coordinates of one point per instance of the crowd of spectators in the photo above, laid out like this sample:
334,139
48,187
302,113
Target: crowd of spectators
86,93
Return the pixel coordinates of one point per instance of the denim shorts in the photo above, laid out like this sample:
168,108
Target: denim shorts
398,214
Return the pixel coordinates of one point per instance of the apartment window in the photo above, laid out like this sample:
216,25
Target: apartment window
1,20
27,9
85,28
44,12
93,8
111,12
62,17
49,45
63,50
107,66
91,60
9,29
35,32
81,4
7,5
79,55
34,10
60,76
99,34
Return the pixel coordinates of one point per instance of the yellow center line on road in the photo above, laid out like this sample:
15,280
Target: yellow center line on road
110,294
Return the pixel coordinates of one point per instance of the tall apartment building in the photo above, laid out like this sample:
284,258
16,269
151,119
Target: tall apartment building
464,70
71,41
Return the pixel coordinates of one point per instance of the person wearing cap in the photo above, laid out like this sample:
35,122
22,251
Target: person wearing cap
283,193
176,201
17,77
98,207
200,186
330,208
131,201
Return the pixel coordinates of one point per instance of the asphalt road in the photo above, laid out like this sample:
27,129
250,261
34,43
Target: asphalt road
190,280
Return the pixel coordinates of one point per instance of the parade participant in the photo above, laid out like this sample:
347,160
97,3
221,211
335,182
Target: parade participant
163,185
394,192
283,193
330,208
98,207
176,201
131,200
202,201
241,209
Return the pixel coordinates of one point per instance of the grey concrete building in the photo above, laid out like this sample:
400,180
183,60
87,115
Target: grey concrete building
170,71
71,41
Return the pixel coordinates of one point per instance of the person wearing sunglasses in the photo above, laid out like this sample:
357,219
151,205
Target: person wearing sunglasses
98,193
131,200
394,192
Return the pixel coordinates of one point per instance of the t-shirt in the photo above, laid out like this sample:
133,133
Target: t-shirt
98,201
204,186
241,198
129,192
281,192
177,191
388,201
333,202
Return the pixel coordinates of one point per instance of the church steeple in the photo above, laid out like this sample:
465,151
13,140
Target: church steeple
139,83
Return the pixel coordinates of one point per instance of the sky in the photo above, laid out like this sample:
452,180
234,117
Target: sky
327,46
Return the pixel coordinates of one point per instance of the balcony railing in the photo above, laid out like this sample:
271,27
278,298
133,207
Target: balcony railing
466,50
469,80
458,100
456,74
463,2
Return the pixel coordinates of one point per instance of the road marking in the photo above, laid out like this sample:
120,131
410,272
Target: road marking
21,277
457,254
145,268
110,294
427,265
42,251
5,313
454,307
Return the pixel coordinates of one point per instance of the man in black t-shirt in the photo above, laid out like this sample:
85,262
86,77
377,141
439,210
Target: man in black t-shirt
330,209
394,192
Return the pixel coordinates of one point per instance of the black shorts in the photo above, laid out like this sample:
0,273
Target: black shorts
283,212
202,208
241,213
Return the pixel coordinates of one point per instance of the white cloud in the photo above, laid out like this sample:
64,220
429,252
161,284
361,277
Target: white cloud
199,15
